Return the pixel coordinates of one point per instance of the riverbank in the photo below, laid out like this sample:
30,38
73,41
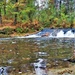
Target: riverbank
12,31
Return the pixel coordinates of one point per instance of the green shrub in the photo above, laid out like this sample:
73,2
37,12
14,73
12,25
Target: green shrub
26,30
7,31
19,30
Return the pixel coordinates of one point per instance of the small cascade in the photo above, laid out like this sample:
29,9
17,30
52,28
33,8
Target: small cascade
60,34
69,34
54,33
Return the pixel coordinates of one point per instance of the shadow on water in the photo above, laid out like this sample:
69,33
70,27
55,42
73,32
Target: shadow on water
21,52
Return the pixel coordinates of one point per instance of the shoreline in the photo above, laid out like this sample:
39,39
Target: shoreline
10,31
16,35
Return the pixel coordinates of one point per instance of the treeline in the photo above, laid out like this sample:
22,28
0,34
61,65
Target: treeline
27,15
19,10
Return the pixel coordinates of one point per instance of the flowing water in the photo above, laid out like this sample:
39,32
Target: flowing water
57,46
55,33
21,52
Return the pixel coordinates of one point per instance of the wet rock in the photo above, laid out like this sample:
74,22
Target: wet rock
71,60
46,34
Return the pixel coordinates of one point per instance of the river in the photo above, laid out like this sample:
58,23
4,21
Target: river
21,52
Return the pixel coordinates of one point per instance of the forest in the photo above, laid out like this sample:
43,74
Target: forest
27,16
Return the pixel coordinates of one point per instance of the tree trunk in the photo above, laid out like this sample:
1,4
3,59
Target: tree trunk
0,17
67,6
60,8
15,17
15,20
4,9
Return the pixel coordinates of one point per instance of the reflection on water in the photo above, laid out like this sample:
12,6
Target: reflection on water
19,53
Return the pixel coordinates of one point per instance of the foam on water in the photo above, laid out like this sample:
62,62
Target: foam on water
60,34
32,36
69,34
54,33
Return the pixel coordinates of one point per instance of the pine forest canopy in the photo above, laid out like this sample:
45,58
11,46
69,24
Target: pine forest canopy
46,12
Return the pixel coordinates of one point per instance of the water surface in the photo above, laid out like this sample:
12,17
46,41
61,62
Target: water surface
21,52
